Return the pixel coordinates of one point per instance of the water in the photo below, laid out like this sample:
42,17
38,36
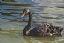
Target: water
9,20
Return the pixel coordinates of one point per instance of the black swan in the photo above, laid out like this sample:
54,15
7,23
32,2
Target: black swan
41,30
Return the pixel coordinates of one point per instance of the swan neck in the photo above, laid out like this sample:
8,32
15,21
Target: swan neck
30,19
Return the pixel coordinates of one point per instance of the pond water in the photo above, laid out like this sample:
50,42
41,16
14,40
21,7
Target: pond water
11,21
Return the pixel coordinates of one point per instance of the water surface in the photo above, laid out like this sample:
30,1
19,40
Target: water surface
10,20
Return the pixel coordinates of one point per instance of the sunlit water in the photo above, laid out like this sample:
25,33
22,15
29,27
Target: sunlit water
40,14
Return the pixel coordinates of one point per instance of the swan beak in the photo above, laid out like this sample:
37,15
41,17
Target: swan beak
22,15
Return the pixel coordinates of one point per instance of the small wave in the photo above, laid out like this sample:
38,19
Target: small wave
60,40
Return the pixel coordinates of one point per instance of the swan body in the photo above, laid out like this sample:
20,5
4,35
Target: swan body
41,30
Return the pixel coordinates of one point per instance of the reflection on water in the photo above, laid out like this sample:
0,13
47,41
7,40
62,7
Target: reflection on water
17,38
39,39
10,20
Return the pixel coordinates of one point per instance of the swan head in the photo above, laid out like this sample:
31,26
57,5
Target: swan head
25,12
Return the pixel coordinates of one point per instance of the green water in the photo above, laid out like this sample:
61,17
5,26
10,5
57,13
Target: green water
19,38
